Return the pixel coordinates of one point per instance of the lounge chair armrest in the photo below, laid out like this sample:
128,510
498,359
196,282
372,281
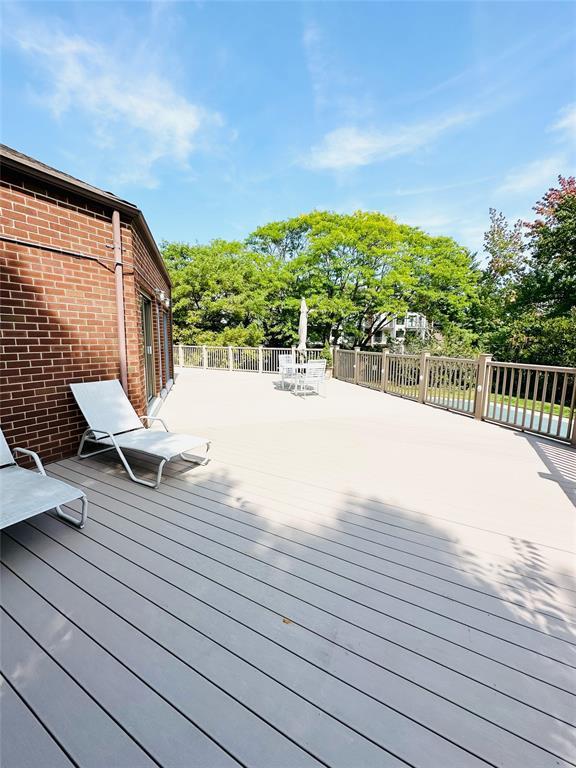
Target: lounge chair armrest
103,432
155,418
34,455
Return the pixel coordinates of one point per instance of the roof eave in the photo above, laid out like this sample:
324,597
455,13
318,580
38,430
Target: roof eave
110,201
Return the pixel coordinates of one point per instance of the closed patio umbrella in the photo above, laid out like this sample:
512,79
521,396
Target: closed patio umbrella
303,327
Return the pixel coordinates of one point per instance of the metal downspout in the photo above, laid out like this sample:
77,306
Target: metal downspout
120,312
158,310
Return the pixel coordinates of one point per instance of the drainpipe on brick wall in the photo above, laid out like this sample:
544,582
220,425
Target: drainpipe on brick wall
160,366
120,312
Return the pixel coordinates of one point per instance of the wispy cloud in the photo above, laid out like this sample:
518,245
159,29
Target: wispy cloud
434,189
351,147
539,174
136,112
535,176
334,87
566,123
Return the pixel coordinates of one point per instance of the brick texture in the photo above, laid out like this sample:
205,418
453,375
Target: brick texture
59,312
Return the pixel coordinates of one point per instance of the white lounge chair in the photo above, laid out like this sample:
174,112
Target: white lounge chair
25,493
311,378
113,422
286,368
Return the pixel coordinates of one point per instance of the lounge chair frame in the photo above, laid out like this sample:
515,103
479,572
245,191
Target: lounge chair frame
89,436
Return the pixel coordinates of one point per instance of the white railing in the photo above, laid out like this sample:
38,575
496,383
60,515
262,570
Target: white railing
251,359
531,398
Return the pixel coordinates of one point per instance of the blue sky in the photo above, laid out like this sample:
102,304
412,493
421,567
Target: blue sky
216,117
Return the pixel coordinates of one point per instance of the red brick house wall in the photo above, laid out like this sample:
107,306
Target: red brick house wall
59,314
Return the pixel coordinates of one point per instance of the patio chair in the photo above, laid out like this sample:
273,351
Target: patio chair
113,422
311,378
286,368
25,493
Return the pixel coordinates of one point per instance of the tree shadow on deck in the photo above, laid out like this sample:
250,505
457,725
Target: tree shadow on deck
366,597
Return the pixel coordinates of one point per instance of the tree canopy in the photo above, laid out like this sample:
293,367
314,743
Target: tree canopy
356,272
359,270
528,289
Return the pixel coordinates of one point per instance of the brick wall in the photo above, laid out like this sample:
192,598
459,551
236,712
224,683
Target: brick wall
59,312
148,279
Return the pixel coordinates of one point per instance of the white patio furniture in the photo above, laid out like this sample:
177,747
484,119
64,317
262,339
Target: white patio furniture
311,377
286,369
113,422
25,493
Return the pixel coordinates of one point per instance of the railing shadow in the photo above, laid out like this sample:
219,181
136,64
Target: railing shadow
560,460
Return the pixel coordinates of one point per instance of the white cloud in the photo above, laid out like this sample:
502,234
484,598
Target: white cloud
542,173
535,176
350,147
135,112
566,125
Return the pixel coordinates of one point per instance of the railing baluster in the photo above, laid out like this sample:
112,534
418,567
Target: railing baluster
562,403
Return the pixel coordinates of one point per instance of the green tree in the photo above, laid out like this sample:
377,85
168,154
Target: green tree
528,289
222,292
550,282
357,271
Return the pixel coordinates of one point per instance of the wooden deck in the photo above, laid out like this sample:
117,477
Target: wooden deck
258,612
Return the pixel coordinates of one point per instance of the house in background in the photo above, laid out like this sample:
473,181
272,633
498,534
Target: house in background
85,296
396,329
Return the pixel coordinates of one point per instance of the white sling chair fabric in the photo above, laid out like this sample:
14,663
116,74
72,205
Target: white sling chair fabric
113,422
25,493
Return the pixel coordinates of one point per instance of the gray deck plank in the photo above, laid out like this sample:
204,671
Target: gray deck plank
317,633
325,737
236,452
245,735
24,742
483,596
369,553
559,640
291,636
485,738
176,743
84,730
316,587
547,667
535,587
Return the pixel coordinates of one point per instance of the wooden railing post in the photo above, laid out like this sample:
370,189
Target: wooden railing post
335,350
204,357
260,360
180,355
230,359
423,377
384,374
356,365
481,385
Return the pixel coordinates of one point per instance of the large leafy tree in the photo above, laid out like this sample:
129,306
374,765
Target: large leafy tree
359,270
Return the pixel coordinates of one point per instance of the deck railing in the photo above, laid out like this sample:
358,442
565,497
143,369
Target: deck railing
536,398
254,359
531,398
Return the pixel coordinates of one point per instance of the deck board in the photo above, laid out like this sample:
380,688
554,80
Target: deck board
63,706
176,743
327,613
24,742
250,612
